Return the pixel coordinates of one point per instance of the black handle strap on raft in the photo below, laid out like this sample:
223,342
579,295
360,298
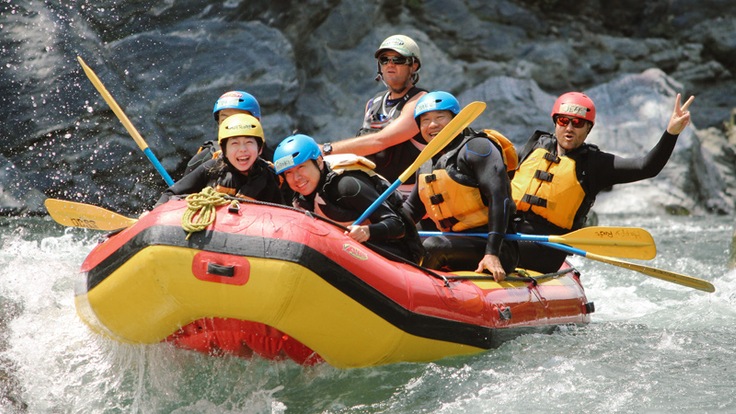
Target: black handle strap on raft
520,276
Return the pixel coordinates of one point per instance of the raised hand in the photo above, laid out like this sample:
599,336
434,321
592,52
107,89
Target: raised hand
680,116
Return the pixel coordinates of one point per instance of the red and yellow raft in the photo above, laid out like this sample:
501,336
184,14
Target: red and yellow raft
281,283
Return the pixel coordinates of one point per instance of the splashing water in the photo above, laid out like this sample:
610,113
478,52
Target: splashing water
652,346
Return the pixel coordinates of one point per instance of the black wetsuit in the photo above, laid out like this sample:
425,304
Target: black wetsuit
261,183
477,162
596,171
344,197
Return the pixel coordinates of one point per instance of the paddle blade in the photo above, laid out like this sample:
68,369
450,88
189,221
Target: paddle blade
666,275
461,121
629,242
72,214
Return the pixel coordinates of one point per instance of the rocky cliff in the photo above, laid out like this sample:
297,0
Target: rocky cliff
311,66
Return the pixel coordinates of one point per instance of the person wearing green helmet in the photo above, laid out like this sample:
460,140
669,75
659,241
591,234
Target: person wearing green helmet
559,175
240,172
229,103
464,188
343,194
389,136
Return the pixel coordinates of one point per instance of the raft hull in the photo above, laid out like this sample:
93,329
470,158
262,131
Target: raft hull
280,283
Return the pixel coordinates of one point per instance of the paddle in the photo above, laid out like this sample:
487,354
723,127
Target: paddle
73,214
684,280
629,242
126,122
450,131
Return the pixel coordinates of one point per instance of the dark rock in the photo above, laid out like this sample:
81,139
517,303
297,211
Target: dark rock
312,69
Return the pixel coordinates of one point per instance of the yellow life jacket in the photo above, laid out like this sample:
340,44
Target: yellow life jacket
456,206
510,158
451,205
548,186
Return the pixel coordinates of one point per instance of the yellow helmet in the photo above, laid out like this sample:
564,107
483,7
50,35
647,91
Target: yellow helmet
240,125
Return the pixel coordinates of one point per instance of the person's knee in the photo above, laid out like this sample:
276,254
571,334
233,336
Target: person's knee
435,243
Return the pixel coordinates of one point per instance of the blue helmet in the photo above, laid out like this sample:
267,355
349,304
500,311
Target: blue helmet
237,100
436,101
295,150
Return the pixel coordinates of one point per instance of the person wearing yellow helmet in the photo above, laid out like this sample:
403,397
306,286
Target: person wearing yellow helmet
389,136
229,103
240,172
559,175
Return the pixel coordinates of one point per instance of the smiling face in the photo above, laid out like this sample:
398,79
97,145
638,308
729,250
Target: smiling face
304,178
242,152
431,123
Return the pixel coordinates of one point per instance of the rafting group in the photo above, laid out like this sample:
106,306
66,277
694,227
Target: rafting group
475,183
418,239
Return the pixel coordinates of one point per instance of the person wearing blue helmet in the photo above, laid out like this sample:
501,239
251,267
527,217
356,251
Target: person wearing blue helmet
229,103
464,188
343,194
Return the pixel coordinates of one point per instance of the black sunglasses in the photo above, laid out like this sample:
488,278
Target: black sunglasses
396,60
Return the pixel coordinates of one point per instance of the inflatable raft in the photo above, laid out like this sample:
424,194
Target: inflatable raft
281,283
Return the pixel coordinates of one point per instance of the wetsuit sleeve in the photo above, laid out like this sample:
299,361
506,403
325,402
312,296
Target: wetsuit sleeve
413,206
193,182
483,161
618,170
357,195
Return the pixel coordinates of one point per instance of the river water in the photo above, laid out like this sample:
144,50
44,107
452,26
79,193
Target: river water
652,346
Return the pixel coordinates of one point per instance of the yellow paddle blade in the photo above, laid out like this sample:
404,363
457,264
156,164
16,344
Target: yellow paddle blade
666,275
631,242
73,214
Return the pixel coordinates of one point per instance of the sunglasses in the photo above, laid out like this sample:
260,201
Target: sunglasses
563,121
396,60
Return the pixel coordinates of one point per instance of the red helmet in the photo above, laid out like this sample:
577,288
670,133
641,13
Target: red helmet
575,104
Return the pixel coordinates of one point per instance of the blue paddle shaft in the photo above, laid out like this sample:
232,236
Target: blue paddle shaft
508,236
378,202
159,167
544,240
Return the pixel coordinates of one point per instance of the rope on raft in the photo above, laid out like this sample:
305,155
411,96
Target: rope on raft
200,211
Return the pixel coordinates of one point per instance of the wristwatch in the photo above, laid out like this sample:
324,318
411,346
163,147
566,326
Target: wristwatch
326,148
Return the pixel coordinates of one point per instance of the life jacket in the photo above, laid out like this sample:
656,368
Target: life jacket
452,199
510,158
392,161
378,115
549,186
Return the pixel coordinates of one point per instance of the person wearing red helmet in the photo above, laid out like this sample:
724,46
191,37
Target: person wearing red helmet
389,136
559,175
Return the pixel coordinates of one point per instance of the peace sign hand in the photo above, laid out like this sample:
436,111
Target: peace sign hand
680,116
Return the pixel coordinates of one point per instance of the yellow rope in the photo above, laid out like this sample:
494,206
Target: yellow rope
201,211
